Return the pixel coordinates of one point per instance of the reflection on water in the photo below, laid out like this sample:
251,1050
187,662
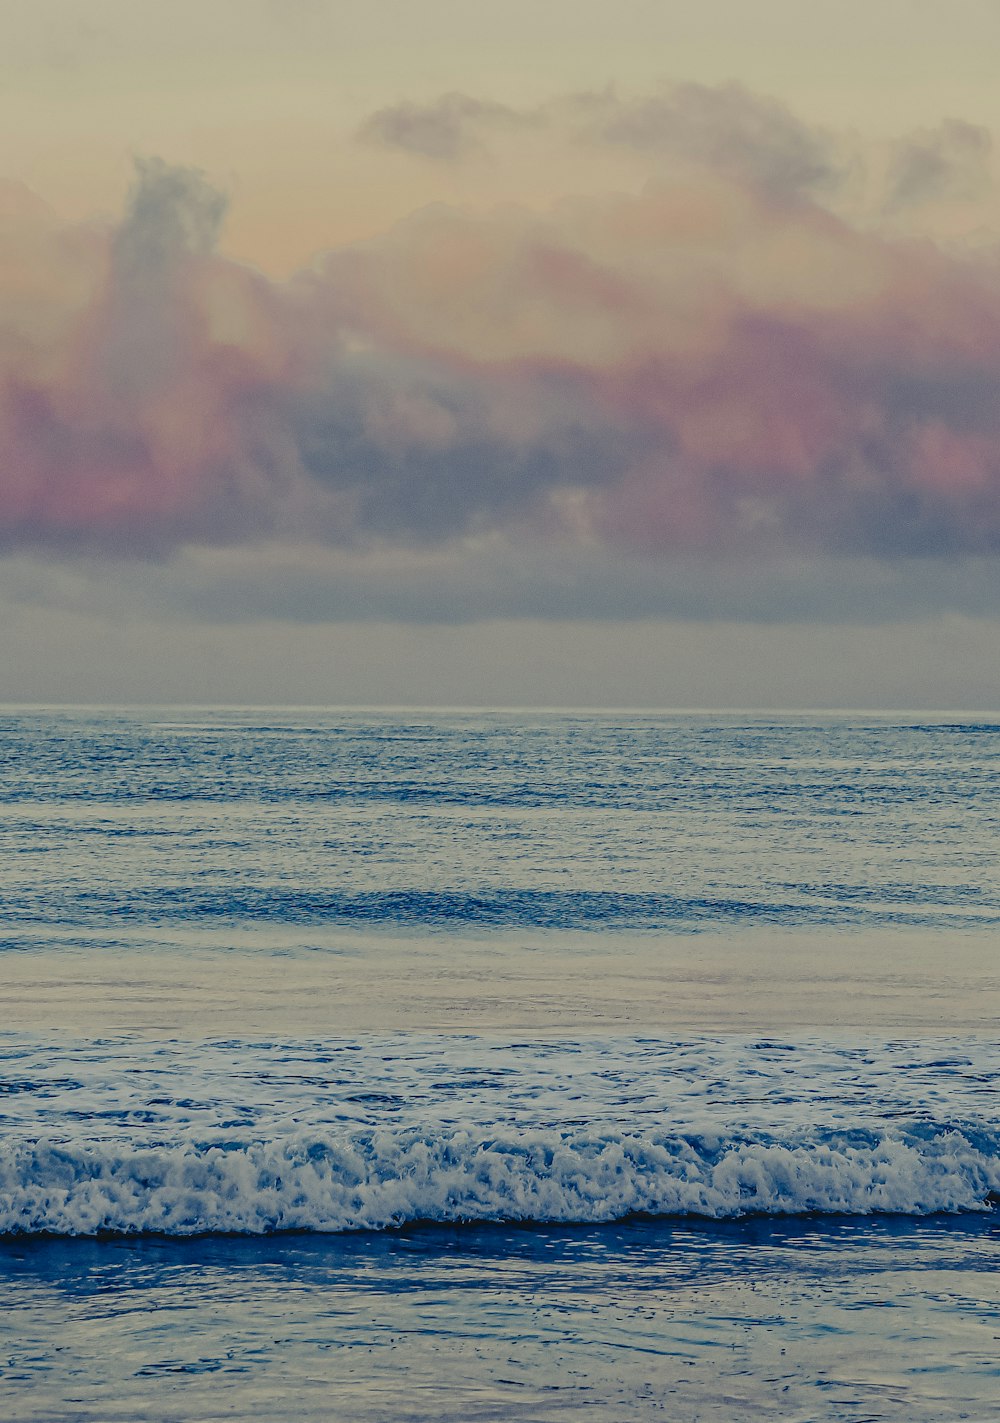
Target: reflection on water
806,1319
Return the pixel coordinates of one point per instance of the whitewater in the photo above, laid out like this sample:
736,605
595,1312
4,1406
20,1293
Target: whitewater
386,1131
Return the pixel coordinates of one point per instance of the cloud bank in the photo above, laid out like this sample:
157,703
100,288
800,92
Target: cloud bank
715,366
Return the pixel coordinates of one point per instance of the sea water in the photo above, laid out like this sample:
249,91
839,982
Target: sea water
498,1065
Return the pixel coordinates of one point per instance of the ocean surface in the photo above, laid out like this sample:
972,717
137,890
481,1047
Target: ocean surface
489,1065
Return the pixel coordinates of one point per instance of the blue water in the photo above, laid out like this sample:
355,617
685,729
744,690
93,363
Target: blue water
498,820
470,1065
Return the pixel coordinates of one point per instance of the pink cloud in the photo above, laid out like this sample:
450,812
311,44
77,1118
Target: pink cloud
704,366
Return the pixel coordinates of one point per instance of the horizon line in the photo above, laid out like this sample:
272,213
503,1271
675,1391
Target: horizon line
489,708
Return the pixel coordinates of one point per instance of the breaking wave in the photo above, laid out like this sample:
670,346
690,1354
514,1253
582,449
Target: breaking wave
388,1178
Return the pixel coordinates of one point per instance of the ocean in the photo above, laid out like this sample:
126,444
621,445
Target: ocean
498,1065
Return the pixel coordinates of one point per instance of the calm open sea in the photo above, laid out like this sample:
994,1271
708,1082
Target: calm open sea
370,1065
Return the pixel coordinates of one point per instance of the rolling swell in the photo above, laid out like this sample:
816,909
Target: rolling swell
509,908
376,1180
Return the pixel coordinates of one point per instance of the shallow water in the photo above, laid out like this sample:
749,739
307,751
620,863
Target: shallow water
525,977
804,1320
331,1134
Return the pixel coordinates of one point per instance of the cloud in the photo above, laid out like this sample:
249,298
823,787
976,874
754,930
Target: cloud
714,371
119,428
174,215
950,161
172,211
495,577
727,128
785,379
445,130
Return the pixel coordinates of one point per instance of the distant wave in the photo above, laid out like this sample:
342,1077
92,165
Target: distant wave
517,908
377,1180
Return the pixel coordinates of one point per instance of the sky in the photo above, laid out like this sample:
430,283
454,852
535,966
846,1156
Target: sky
547,354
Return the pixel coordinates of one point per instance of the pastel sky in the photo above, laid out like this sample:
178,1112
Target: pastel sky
553,353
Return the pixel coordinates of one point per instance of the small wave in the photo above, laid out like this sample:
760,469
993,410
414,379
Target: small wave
517,908
384,1179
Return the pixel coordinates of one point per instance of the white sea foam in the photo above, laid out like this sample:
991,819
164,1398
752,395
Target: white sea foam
339,1134
375,1180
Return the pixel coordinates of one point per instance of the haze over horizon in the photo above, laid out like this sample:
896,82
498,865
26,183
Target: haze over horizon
415,356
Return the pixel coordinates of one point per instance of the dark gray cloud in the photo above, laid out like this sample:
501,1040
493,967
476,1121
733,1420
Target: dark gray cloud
496,580
445,130
950,161
418,456
727,128
170,211
173,215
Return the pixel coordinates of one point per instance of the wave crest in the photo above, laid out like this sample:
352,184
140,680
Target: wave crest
383,1179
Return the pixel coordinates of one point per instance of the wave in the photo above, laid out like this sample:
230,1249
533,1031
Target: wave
517,908
384,1179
